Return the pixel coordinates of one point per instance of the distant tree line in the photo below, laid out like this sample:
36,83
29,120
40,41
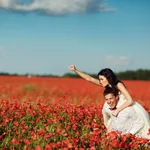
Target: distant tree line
140,74
27,74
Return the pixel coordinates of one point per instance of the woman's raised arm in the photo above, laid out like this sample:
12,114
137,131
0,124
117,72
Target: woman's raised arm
84,75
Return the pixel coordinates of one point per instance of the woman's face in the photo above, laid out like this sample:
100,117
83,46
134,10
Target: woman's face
103,80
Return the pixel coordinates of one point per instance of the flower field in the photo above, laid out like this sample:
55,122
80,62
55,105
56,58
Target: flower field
61,114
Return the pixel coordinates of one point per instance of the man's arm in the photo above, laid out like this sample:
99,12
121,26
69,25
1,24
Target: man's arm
107,119
109,129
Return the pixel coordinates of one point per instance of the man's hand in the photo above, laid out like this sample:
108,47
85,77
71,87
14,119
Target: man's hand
72,68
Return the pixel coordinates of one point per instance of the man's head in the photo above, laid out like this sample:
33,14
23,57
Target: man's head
111,96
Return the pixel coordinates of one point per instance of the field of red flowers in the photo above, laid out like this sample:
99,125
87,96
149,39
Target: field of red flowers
61,114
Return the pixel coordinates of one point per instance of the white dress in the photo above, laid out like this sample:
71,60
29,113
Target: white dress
139,109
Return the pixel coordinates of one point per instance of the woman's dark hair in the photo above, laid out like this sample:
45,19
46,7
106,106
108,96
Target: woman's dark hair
110,76
109,90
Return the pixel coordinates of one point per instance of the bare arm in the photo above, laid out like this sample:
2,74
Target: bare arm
84,75
128,97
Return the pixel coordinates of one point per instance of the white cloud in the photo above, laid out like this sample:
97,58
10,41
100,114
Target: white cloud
117,60
56,7
105,8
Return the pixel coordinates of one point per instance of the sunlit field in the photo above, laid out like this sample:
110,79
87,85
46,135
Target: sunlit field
61,113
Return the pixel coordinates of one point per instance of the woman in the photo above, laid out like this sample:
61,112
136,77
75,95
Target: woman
106,77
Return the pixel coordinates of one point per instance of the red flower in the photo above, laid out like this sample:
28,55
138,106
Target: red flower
16,123
58,131
114,143
14,141
112,135
93,148
38,148
47,147
69,145
27,141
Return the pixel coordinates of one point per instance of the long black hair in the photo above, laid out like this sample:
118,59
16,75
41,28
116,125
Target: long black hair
110,76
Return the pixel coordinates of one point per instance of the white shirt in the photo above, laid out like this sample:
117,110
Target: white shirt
127,121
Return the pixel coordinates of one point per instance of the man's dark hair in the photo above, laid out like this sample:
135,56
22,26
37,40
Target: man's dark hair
109,90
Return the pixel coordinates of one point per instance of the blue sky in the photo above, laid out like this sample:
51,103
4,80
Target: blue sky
46,36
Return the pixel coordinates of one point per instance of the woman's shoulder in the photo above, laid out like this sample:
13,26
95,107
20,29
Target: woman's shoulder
120,85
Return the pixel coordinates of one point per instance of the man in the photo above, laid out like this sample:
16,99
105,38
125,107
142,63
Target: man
128,120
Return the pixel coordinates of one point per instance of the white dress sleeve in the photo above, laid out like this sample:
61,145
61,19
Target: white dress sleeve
138,122
140,111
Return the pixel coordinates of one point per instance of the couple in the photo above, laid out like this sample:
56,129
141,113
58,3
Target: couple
118,104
